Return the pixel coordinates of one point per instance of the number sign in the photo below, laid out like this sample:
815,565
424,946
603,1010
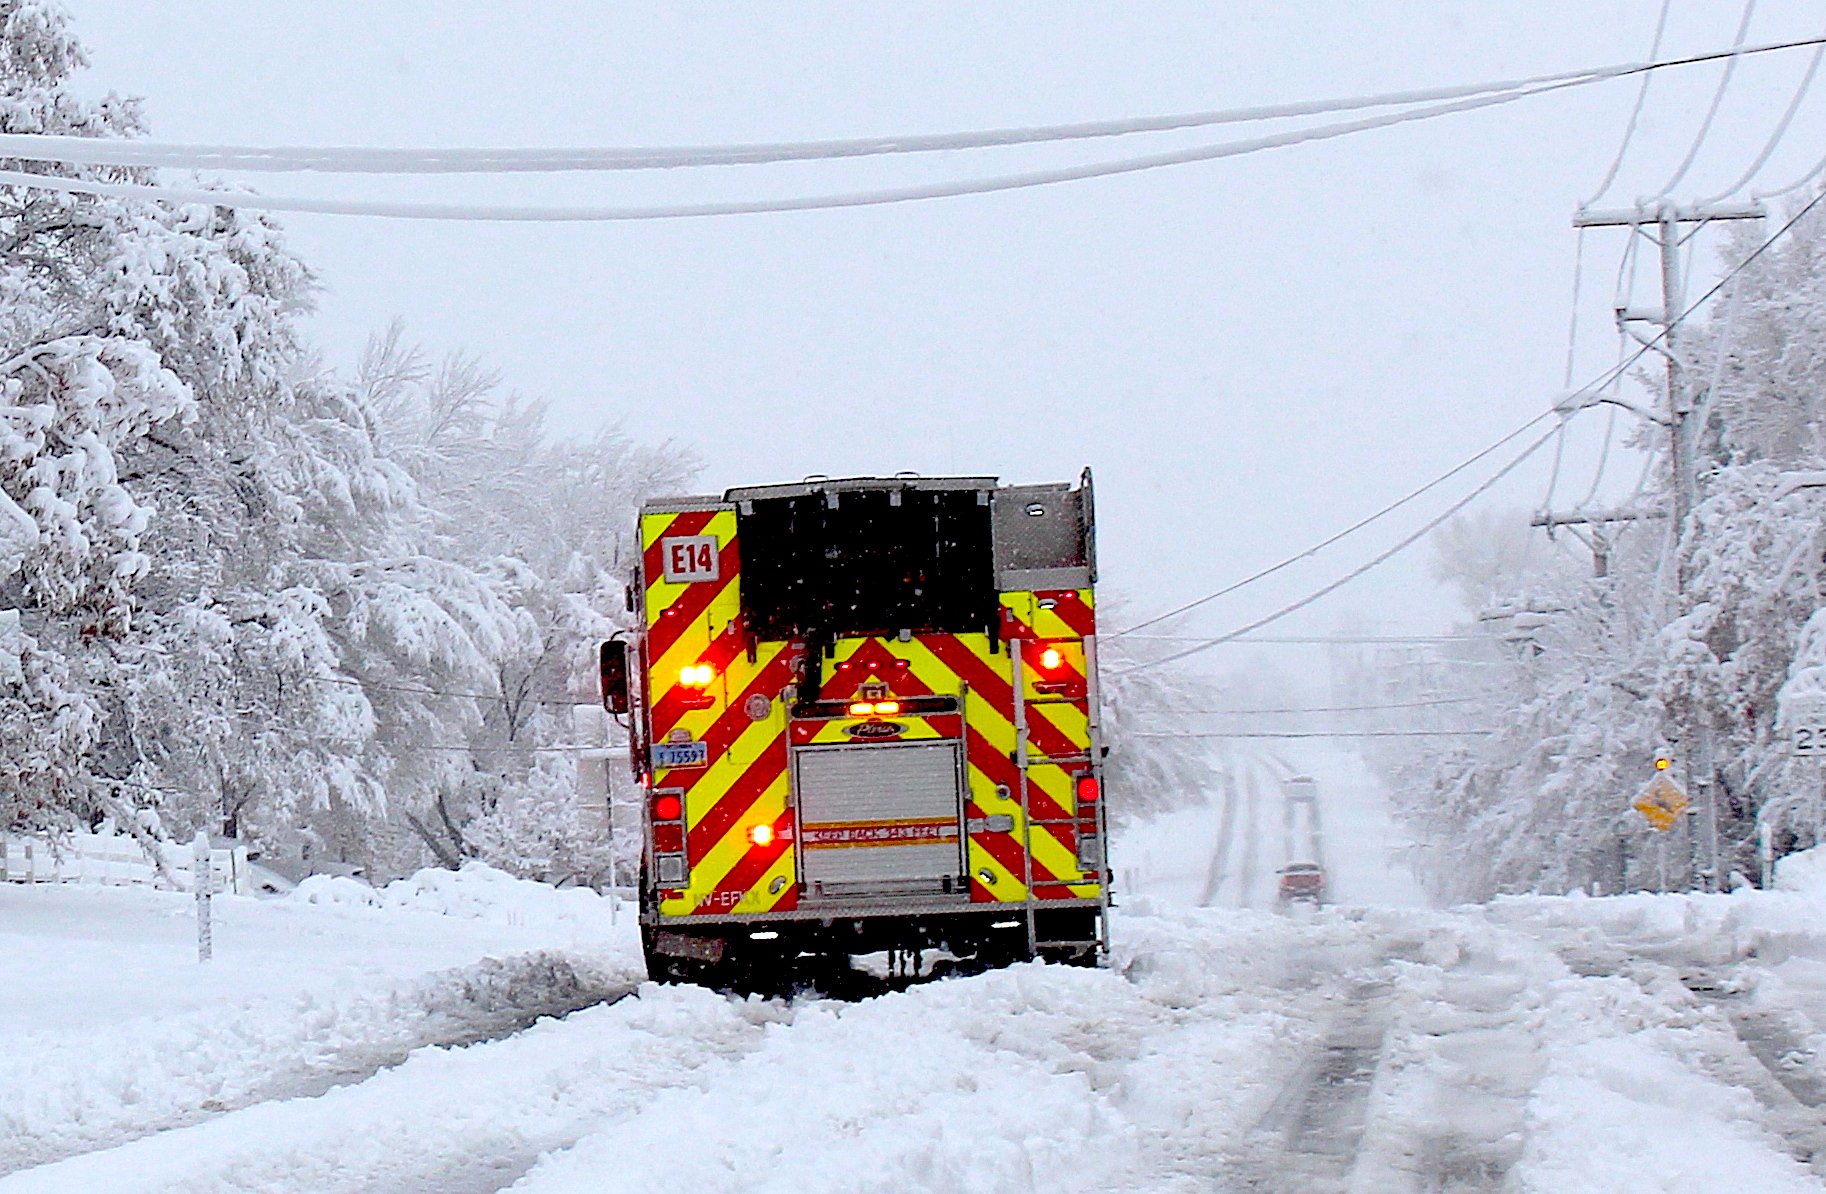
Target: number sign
690,558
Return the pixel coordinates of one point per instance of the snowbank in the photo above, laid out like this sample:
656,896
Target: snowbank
1804,872
114,1030
477,892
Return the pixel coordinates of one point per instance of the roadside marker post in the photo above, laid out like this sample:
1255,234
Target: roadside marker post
202,881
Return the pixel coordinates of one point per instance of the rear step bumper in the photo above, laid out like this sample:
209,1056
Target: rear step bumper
995,932
847,911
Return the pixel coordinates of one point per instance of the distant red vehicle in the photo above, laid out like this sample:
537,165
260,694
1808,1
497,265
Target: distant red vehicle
1302,881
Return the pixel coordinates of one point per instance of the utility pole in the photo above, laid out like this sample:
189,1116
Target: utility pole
1666,219
1597,535
1219,869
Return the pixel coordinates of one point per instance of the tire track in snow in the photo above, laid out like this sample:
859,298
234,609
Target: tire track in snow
1682,965
1793,1094
1316,1126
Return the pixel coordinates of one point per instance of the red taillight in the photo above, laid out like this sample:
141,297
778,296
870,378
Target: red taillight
668,839
1050,658
761,835
668,808
1087,789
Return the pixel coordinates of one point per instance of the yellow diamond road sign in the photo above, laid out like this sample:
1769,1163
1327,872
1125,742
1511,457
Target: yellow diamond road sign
1662,802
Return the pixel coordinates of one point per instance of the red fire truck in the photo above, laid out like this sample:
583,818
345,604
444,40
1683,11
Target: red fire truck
864,715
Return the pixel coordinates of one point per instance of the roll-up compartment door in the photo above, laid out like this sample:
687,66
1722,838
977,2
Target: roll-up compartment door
879,820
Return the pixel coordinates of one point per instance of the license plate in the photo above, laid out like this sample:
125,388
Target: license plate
680,754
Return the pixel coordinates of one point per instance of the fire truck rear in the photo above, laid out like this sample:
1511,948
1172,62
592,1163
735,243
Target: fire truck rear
864,715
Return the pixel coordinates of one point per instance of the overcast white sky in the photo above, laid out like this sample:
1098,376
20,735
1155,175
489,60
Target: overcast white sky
1251,353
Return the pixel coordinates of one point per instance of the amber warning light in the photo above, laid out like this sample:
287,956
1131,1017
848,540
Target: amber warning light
1662,764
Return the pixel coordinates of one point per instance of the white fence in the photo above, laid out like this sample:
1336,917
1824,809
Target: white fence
115,861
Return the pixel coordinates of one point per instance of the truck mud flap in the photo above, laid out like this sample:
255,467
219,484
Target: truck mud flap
681,945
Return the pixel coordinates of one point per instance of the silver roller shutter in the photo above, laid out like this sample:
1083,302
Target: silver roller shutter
879,820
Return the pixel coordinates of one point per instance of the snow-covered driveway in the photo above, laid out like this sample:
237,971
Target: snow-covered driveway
1643,1043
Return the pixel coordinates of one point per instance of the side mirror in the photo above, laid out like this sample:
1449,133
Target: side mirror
615,676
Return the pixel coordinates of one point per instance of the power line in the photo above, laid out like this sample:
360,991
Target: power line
369,160
1629,129
983,186
474,696
1572,324
1359,571
1347,531
1648,344
1780,131
1337,708
542,214
365,160
1328,734
1352,639
1591,390
419,746
1718,96
1567,412
1797,184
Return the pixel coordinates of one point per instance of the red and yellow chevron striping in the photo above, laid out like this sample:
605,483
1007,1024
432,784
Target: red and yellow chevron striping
709,683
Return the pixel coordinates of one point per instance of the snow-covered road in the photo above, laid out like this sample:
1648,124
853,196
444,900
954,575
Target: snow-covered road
1603,1046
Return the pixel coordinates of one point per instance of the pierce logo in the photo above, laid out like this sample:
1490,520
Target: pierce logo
875,730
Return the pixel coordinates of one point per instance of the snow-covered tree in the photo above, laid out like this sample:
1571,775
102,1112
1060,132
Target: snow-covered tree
548,523
1682,651
235,587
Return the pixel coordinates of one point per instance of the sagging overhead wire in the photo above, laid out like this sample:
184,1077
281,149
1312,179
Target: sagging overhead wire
1635,115
1593,393
1780,131
94,151
1428,704
1819,167
539,214
1718,97
1352,529
980,186
365,160
1426,529
1321,734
